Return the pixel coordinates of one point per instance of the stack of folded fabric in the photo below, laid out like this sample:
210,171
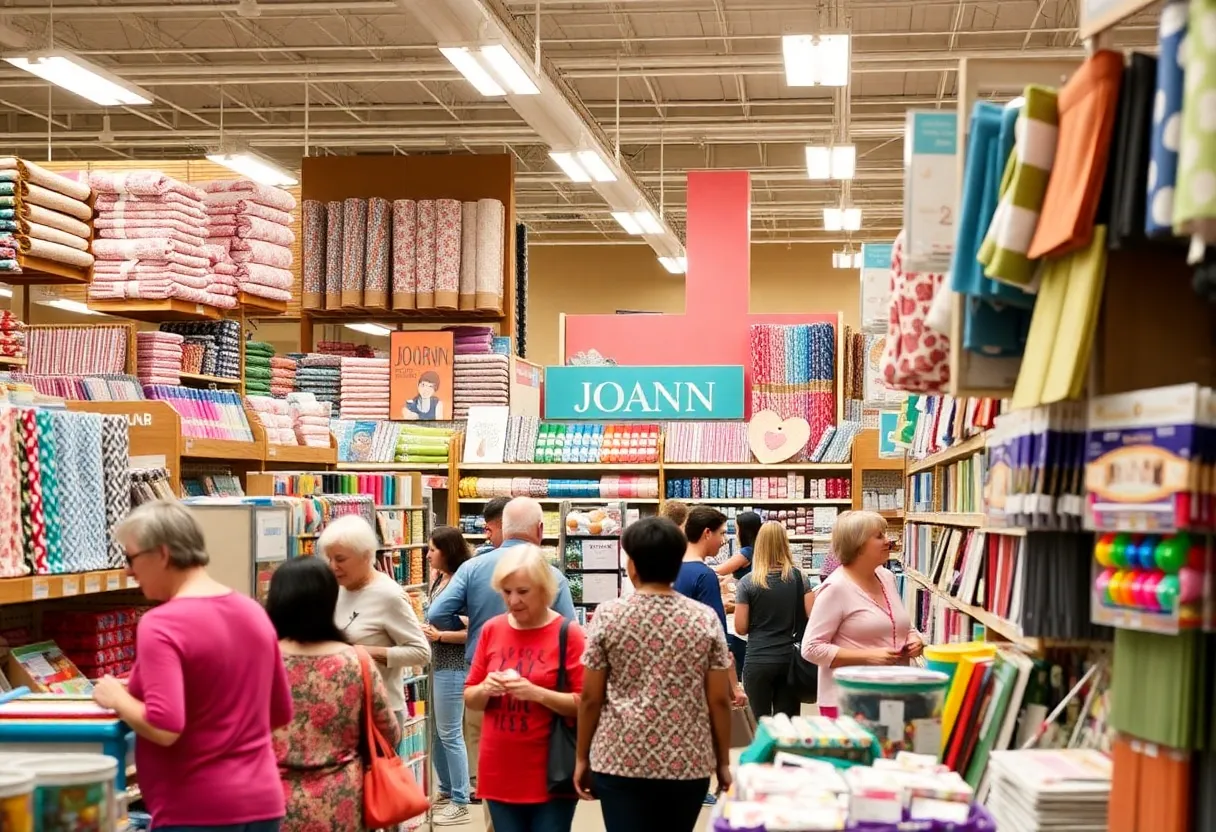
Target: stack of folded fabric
345,348
257,367
12,335
159,357
472,340
320,375
310,418
479,379
150,230
282,376
250,225
221,342
422,444
193,354
276,418
365,388
42,214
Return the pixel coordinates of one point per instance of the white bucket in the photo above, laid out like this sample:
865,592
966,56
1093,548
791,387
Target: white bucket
74,790
16,799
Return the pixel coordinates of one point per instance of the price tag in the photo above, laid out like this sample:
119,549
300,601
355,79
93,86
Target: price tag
113,583
272,451
132,583
189,445
92,584
42,589
70,586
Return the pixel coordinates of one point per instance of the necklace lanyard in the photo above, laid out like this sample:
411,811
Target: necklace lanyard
886,608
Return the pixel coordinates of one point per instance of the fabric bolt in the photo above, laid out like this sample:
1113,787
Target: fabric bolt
193,239
53,219
1195,194
1129,160
122,203
258,274
12,559
48,464
424,254
354,246
77,443
227,191
122,268
334,249
256,228
161,219
1087,106
312,285
33,516
39,175
1166,137
249,208
54,251
53,200
491,249
405,239
448,244
378,254
217,250
139,183
148,248
52,235
258,251
915,358
468,256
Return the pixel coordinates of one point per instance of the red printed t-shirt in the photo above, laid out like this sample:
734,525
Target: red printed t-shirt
210,670
515,734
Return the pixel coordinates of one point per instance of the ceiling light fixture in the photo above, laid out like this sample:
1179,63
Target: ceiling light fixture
638,223
626,221
492,70
816,60
841,219
371,329
70,306
255,166
846,259
675,265
84,78
583,166
835,162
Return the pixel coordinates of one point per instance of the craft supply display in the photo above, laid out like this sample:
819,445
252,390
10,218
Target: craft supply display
364,388
794,373
791,486
249,236
622,487
377,441
216,344
206,414
405,254
474,525
93,388
386,490
43,215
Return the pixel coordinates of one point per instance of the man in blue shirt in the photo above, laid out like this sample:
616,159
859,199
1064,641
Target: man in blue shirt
469,593
492,514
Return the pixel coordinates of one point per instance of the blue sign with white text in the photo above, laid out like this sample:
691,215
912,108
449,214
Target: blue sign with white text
644,393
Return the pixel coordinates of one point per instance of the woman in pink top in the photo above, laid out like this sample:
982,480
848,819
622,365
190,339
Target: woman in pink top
858,617
207,689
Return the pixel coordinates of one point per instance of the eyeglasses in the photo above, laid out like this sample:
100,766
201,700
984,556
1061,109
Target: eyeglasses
131,557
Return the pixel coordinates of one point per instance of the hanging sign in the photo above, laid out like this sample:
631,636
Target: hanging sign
644,393
930,189
875,286
421,372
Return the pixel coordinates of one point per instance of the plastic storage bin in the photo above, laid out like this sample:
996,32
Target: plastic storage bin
16,801
945,658
73,791
901,705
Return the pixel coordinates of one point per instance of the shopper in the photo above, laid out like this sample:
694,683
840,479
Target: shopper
447,552
472,593
767,606
372,609
320,752
654,721
857,617
747,526
208,685
676,511
492,515
513,679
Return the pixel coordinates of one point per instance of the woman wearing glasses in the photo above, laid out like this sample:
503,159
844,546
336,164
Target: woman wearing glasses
208,685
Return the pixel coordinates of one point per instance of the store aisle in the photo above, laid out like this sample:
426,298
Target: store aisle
588,819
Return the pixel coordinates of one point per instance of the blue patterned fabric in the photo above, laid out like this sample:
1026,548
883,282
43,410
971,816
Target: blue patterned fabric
82,516
1167,121
50,460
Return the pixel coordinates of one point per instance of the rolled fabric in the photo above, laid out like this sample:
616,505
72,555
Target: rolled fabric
264,275
405,240
55,219
333,254
39,175
54,200
192,228
312,294
256,228
468,255
250,208
52,235
140,183
122,203
491,227
225,191
448,217
146,233
259,251
354,244
33,247
377,254
425,254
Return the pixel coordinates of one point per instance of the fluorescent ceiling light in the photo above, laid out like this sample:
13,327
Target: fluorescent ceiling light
70,306
570,166
836,162
816,60
851,219
626,221
583,166
371,329
857,261
84,78
841,219
491,70
846,259
255,167
638,222
675,265
649,222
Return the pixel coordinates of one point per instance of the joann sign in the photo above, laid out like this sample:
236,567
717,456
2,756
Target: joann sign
624,393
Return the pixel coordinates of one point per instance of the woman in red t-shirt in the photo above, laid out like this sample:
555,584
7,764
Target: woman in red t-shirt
513,679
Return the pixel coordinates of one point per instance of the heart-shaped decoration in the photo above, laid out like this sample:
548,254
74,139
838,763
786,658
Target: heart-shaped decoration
773,439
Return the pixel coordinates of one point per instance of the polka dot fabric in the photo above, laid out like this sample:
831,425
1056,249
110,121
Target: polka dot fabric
916,358
1167,121
1195,196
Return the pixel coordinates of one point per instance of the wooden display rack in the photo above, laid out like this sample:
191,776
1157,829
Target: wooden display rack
297,455
209,381
154,429
38,271
866,458
157,311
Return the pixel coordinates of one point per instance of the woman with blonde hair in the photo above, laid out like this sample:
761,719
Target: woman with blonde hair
767,605
514,679
858,617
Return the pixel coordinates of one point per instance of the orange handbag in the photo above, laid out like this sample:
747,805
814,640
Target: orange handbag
390,793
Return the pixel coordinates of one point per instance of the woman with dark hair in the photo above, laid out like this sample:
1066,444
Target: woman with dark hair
654,719
320,751
425,405
738,566
448,550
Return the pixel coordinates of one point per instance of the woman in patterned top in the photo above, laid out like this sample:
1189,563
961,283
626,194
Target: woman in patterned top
320,750
654,723
447,551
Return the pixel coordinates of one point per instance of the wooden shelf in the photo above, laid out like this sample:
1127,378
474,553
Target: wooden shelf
1007,630
756,466
256,305
301,455
959,450
156,311
559,466
404,316
38,271
11,361
1109,15
403,467
222,449
962,520
42,587
642,501
770,501
217,381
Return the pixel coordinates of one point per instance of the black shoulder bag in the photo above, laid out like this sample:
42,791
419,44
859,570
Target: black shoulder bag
563,737
803,675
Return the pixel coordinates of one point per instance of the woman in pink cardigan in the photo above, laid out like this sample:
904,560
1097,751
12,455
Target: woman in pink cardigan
858,617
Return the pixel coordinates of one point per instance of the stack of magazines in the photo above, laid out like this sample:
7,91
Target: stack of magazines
1049,790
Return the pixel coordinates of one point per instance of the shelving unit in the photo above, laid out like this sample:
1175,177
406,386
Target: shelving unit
1005,629
157,311
44,587
189,379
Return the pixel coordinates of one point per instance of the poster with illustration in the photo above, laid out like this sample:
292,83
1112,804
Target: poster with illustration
420,381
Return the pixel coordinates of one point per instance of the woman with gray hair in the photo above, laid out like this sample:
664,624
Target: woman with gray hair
208,685
372,610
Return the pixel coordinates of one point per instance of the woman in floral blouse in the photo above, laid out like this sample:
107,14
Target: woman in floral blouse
319,751
654,722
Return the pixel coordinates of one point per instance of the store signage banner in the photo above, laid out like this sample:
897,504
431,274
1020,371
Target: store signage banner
930,189
875,286
420,375
644,393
